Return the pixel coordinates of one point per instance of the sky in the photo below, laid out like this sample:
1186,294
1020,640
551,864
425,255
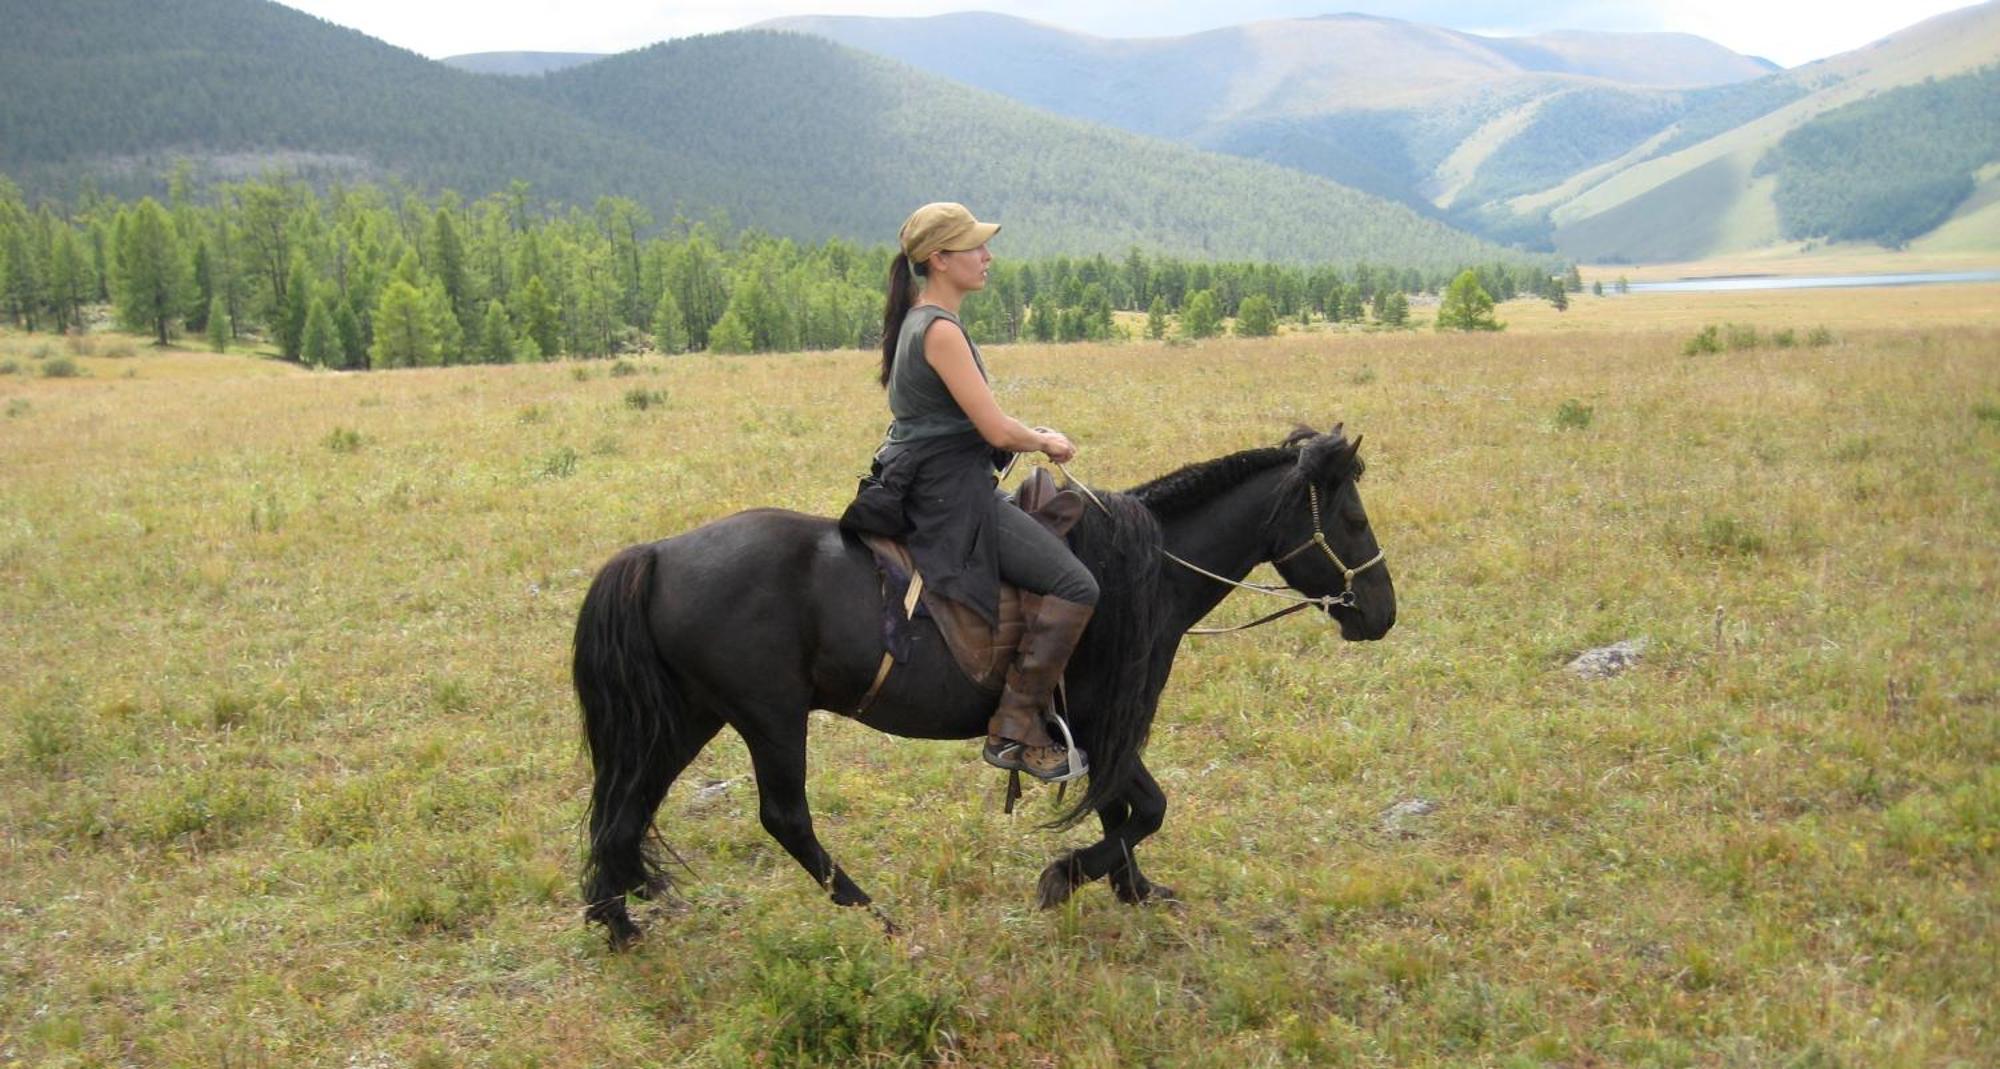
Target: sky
1787,32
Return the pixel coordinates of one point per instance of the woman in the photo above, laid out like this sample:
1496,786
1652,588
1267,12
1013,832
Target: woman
933,481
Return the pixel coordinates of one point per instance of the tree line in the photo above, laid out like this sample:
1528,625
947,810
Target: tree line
367,277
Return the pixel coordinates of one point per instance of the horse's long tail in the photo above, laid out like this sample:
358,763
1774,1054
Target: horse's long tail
630,709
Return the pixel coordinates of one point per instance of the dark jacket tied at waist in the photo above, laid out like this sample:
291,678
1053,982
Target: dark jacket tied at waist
937,495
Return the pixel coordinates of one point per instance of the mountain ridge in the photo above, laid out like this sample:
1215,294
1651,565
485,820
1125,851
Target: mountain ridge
697,125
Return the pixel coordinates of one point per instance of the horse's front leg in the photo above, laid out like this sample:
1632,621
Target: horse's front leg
1127,820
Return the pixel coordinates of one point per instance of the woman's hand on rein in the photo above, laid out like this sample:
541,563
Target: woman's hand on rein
1055,446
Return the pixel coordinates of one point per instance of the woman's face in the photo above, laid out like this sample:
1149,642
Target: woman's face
966,270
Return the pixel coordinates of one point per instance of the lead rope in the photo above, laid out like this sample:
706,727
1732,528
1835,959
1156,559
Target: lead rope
1303,601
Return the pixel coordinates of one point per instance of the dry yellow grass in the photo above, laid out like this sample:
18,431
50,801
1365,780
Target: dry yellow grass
289,776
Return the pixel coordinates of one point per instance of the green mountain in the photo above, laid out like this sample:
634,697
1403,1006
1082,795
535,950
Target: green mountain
794,135
1626,147
1399,109
1735,186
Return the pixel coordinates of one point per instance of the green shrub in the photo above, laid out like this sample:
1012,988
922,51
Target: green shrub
120,349
1573,415
1984,411
643,399
816,1002
1706,340
61,367
10,367
1784,339
1819,337
1727,534
343,440
623,369
560,464
1741,336
17,407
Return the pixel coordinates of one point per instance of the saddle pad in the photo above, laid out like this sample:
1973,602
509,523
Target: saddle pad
982,651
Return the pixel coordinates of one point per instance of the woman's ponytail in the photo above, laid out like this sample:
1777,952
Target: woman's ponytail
902,294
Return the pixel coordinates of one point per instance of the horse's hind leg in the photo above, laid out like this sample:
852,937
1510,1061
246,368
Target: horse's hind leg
1127,820
778,754
628,794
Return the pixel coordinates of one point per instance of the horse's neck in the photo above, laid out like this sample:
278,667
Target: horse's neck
1225,536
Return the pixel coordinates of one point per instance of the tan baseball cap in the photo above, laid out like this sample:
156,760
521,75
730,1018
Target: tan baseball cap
943,225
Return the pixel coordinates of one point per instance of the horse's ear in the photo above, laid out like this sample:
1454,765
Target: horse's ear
1354,447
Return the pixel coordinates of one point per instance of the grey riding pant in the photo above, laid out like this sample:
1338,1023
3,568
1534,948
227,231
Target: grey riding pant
1035,560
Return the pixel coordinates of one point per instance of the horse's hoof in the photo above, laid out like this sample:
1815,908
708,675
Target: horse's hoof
1058,882
618,926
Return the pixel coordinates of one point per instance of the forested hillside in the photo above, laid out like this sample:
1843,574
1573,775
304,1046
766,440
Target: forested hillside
794,136
366,277
1391,107
1891,167
856,139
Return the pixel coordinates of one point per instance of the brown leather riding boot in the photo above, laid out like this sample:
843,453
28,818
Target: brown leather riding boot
1016,736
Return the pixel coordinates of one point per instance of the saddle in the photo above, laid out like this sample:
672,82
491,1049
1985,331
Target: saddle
983,651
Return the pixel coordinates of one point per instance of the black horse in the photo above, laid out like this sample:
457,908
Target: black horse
755,619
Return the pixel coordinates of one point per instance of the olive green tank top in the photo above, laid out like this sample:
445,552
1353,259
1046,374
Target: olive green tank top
918,399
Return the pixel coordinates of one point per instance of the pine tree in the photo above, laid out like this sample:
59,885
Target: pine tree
669,329
1255,317
496,335
540,318
1466,305
448,335
448,266
1200,319
353,347
218,326
320,344
291,326
1395,310
1156,318
730,335
152,283
403,335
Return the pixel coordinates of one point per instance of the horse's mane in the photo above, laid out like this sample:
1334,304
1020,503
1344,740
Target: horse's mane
1185,488
1109,678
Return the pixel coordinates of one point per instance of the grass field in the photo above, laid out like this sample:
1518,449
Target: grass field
289,769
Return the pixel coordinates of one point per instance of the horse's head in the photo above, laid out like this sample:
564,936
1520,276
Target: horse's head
1320,539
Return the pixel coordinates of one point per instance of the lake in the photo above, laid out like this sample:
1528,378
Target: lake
1775,282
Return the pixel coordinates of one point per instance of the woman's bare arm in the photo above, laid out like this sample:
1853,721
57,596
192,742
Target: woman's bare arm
946,351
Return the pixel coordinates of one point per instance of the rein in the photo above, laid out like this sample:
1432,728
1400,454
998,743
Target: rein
1302,601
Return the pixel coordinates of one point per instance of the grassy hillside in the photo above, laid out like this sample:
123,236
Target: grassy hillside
797,137
1388,106
1891,167
1581,142
1941,48
290,775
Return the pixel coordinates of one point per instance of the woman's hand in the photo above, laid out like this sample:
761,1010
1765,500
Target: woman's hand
1055,446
